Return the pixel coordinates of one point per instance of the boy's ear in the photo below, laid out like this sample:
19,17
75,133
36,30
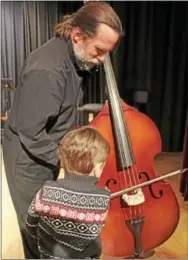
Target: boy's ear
98,169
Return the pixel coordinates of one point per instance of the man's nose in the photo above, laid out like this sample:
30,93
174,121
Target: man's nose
101,58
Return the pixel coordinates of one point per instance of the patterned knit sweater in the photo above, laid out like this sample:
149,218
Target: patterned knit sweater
67,215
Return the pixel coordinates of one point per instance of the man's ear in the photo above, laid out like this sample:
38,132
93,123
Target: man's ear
77,35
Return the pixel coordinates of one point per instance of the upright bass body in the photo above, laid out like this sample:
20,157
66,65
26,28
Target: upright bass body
160,211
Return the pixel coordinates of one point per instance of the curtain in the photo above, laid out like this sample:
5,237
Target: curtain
152,56
12,40
26,25
184,176
39,21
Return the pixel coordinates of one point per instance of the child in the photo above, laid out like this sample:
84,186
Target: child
67,215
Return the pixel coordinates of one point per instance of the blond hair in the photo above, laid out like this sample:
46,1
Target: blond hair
87,18
81,149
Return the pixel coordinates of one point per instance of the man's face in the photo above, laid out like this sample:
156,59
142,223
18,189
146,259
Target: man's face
92,50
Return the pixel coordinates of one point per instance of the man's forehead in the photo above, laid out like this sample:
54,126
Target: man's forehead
104,28
106,37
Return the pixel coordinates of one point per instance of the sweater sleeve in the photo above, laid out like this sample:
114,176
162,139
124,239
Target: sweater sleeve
32,217
41,97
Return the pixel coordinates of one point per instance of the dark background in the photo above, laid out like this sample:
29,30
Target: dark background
152,56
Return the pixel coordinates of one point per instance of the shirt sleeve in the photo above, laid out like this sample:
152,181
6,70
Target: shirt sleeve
41,97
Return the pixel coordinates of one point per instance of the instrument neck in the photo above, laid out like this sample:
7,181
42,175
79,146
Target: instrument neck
119,127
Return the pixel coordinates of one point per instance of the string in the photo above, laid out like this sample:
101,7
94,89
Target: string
116,106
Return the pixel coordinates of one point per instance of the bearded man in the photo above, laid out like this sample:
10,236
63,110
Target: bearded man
46,100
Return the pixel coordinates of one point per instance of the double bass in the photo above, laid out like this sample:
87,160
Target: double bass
146,217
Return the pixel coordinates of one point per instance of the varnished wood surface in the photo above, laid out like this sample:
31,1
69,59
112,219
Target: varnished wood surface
175,247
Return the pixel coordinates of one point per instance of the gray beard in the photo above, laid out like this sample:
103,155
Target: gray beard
83,64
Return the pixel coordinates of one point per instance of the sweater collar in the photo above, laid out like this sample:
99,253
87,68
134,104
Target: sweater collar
81,178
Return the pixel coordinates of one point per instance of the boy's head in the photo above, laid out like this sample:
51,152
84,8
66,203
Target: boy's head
84,151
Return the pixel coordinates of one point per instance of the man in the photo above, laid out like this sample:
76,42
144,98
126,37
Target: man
46,100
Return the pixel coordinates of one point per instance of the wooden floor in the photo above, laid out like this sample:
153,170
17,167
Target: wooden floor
175,247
